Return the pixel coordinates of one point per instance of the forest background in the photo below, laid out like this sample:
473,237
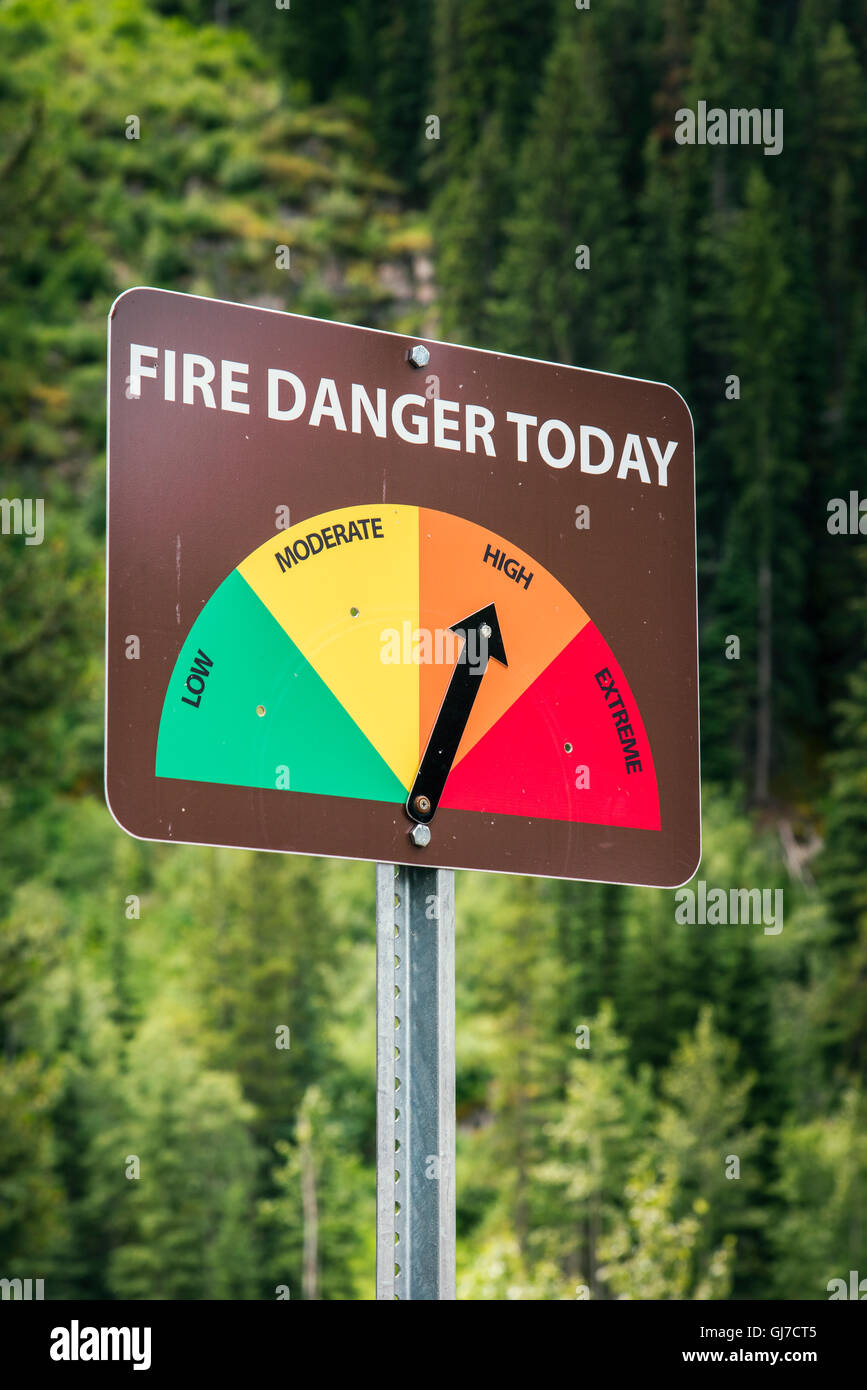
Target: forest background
140,984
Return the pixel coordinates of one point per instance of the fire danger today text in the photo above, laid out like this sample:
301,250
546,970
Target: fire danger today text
193,379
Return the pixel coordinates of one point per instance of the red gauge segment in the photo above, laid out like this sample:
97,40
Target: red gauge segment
572,747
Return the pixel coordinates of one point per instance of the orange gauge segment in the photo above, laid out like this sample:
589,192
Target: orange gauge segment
463,568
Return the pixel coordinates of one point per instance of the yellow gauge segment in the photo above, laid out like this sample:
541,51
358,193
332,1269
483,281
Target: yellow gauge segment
345,587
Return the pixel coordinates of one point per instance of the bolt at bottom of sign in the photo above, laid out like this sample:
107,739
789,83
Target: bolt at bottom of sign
420,835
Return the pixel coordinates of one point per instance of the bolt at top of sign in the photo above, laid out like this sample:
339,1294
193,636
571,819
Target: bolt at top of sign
419,355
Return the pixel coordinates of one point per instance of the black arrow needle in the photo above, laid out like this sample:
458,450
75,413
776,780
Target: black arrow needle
482,640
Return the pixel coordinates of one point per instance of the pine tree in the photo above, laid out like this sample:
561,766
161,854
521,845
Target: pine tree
705,1130
823,1182
402,82
182,1222
590,1147
662,344
553,303
843,865
759,592
651,1254
512,976
487,62
264,973
322,1219
469,214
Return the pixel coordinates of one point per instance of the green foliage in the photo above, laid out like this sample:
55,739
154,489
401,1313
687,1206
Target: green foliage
480,95
552,303
759,591
324,1211
181,1222
843,861
30,1199
652,1255
823,1185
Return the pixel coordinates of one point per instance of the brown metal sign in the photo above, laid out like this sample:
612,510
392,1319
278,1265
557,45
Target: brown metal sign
409,602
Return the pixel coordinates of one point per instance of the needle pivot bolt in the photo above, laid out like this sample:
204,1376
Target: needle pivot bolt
422,805
420,835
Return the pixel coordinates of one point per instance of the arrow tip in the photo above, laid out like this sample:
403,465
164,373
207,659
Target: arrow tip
487,642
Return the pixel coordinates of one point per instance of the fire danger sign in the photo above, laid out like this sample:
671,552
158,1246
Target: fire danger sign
411,602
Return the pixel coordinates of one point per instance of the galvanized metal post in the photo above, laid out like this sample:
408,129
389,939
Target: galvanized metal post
415,1083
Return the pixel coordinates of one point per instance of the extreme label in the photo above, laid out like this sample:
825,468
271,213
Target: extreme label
620,715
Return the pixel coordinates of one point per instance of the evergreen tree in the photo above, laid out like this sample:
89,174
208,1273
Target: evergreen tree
591,1147
707,1141
823,1167
265,973
487,61
844,865
182,1219
652,1255
554,303
758,594
323,1215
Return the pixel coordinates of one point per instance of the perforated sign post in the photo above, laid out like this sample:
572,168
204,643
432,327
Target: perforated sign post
407,602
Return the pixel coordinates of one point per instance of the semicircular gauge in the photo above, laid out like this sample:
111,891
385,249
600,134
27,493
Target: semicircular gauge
321,662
